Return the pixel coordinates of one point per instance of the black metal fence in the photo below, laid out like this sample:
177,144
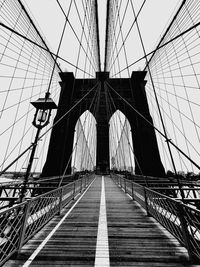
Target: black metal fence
20,222
181,220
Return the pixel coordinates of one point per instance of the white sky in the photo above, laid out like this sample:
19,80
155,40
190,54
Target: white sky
153,19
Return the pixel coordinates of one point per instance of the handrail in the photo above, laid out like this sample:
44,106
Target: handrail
13,188
181,220
169,187
20,222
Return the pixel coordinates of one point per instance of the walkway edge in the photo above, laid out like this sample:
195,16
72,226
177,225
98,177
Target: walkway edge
40,247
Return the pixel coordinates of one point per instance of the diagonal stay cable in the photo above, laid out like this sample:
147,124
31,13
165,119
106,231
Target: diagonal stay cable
32,23
129,31
113,104
115,22
72,28
161,46
58,121
40,46
176,126
155,95
84,23
82,126
155,128
167,30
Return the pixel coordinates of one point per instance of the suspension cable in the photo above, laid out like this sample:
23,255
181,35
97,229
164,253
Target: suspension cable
170,141
50,128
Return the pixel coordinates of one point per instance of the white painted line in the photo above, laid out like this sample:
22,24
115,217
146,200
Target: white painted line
40,247
102,258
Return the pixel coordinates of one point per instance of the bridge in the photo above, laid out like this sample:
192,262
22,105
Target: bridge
107,174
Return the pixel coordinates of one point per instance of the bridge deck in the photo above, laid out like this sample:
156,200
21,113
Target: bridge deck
134,239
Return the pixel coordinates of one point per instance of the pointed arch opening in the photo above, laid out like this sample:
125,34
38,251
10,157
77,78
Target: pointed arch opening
84,145
120,143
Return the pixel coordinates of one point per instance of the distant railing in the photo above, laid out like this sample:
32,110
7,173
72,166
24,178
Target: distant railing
19,223
10,191
181,220
170,187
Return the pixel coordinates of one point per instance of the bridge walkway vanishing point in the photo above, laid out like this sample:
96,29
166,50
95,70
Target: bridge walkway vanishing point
103,227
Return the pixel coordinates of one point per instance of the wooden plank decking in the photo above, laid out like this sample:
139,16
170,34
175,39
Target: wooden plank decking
134,238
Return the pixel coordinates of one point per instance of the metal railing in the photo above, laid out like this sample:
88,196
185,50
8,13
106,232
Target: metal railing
20,222
169,186
181,220
10,192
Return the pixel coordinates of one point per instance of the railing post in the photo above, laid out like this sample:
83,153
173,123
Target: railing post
186,235
74,190
132,191
14,191
81,185
24,221
124,185
146,201
60,201
120,181
116,179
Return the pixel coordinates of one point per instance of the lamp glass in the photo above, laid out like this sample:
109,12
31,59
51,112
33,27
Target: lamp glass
42,115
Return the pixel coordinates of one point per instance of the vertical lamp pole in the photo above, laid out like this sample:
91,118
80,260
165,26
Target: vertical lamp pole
42,115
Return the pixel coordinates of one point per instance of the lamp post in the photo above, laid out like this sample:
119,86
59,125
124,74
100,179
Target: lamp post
42,115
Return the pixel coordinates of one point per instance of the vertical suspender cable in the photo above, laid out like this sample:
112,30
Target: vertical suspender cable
156,98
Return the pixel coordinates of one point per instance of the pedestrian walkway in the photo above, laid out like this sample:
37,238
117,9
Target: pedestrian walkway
103,227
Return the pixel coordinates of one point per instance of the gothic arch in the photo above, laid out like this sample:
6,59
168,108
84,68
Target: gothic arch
84,144
143,134
120,143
